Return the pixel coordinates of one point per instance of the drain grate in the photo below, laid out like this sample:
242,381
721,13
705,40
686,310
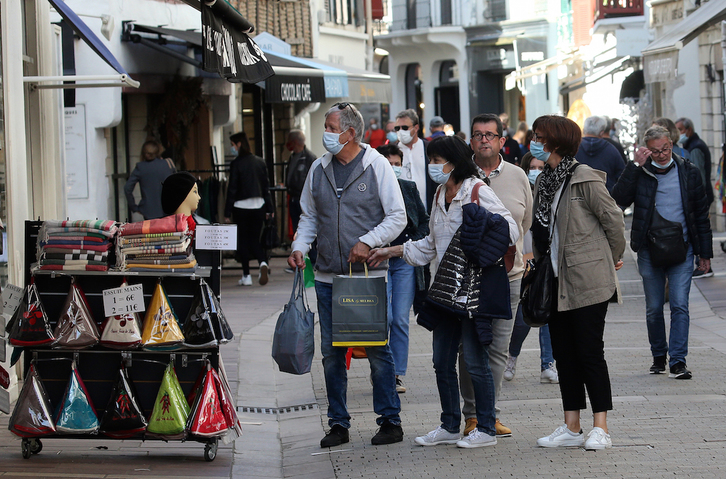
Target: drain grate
277,410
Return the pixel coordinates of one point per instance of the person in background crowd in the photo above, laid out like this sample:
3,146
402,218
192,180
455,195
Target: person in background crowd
452,168
520,137
511,186
403,279
510,150
461,135
391,136
374,136
701,157
598,153
248,204
351,181
415,159
610,135
149,173
548,372
669,125
659,181
436,127
578,221
297,170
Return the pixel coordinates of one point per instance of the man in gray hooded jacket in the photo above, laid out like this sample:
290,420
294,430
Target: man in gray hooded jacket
351,203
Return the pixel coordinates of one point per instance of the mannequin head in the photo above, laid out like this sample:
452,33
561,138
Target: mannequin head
180,194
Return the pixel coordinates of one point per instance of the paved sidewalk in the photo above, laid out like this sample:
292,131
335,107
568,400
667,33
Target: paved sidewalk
659,426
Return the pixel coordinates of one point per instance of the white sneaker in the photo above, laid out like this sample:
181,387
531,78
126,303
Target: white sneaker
511,368
262,277
549,375
245,281
476,438
437,436
562,437
598,439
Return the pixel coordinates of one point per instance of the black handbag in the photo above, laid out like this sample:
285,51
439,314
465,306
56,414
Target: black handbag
536,293
665,241
270,238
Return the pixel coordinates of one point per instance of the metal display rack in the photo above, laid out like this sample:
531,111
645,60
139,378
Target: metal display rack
98,366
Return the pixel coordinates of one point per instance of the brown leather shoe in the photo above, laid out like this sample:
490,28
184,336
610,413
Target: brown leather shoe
470,425
502,430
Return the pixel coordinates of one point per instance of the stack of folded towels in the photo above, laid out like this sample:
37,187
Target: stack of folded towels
163,244
75,245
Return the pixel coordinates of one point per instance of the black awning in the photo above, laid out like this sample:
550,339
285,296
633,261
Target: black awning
632,86
294,82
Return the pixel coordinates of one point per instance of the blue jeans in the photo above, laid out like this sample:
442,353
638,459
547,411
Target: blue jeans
521,330
679,286
385,399
401,289
447,336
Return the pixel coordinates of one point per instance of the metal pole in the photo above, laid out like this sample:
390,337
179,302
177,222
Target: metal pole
369,29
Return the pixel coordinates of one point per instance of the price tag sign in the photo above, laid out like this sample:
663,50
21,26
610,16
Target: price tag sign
216,237
127,299
12,295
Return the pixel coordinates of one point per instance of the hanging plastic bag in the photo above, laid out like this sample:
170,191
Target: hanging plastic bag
199,332
207,417
293,344
222,330
30,323
171,410
123,417
309,273
76,328
32,415
161,328
76,414
122,331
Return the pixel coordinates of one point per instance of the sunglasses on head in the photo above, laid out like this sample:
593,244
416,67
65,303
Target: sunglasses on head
402,127
342,105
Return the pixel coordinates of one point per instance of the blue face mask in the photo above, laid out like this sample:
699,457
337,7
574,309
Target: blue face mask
537,150
533,174
234,151
397,171
331,142
662,167
436,172
682,139
392,136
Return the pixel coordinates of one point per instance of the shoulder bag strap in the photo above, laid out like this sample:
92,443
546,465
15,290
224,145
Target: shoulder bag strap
554,218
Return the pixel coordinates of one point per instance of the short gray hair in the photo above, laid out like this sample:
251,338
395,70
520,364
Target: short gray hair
410,114
687,123
594,125
349,117
297,136
656,133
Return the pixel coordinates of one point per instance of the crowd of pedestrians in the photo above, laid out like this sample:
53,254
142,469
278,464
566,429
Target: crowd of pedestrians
431,213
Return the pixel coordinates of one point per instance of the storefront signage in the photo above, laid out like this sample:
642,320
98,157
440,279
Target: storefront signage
12,295
661,66
231,53
216,237
666,13
124,300
530,51
294,89
76,152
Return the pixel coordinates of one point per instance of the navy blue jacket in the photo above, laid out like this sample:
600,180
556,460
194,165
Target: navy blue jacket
601,155
638,185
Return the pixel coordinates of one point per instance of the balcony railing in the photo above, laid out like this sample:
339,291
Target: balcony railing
618,8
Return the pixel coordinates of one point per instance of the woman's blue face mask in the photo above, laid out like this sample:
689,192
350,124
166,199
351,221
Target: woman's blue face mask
537,150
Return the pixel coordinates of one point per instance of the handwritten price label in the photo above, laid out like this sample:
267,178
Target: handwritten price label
127,299
12,295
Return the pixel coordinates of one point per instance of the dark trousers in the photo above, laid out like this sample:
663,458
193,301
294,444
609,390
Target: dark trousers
249,231
578,348
295,211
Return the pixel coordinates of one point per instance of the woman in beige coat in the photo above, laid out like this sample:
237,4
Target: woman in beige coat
577,220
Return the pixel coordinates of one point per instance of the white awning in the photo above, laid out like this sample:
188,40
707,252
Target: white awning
661,56
540,68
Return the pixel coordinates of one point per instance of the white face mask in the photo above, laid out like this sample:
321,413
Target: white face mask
404,136
397,171
331,142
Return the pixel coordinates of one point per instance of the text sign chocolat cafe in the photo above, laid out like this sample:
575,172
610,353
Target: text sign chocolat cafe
294,89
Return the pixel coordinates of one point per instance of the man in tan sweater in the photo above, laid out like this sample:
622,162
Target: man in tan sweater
511,185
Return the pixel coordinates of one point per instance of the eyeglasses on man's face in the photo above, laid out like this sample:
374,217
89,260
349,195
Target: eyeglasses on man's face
660,153
478,136
403,127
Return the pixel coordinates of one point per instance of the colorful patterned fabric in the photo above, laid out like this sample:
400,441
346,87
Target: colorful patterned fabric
185,267
62,267
168,224
76,256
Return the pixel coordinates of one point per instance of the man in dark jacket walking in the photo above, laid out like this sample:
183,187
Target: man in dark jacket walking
597,153
659,181
297,170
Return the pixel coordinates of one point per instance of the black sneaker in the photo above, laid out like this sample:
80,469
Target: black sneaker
659,365
335,437
697,273
388,434
679,371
